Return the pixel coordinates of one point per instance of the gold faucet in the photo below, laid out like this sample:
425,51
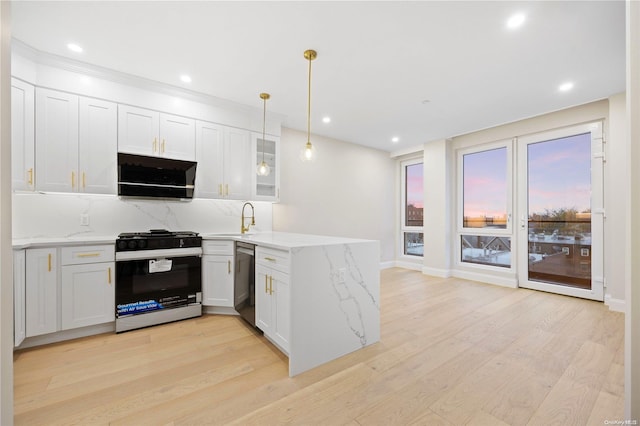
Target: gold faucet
253,218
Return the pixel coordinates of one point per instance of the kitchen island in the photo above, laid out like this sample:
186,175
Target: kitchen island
328,303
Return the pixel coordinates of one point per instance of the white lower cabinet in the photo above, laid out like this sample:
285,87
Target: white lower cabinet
41,291
272,295
87,294
19,282
82,294
217,273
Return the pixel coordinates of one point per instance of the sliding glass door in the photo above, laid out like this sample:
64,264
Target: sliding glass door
561,216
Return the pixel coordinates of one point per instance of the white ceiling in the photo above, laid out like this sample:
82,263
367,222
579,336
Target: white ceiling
420,71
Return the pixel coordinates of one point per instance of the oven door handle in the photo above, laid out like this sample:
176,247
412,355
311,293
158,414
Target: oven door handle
158,254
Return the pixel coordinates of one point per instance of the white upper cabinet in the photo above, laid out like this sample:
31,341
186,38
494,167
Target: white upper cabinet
98,146
76,142
145,132
209,154
224,162
237,163
56,141
266,188
22,135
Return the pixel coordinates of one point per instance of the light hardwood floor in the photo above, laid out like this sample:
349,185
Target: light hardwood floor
452,352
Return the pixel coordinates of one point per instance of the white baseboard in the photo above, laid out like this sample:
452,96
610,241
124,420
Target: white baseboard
616,305
486,278
219,310
408,265
436,272
60,336
387,265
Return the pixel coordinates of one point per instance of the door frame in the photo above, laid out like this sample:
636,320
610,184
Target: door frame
597,211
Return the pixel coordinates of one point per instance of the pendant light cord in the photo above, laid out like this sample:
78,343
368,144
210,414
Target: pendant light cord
309,105
264,118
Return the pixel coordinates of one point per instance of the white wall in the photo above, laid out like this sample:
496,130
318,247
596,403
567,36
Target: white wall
437,195
616,182
6,264
349,191
632,287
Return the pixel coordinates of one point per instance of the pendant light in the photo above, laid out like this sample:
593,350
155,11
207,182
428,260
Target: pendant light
309,151
263,168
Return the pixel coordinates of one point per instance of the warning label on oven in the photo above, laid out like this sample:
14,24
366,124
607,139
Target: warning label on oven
138,307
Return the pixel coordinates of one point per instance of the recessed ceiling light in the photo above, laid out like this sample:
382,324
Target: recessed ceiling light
74,47
185,78
326,119
515,21
565,87
395,139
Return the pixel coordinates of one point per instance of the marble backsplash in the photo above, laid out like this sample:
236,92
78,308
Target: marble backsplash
37,215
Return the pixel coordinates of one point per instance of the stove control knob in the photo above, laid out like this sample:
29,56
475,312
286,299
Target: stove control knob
132,244
122,244
142,244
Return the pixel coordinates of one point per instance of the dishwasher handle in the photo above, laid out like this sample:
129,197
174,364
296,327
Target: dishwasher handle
245,251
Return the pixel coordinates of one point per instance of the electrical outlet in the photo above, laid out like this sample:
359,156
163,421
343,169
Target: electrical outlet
84,219
342,272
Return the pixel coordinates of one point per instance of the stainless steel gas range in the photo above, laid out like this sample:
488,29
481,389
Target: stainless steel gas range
158,278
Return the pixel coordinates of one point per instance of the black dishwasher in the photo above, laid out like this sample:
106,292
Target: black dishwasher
244,291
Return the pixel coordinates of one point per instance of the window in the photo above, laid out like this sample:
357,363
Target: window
485,182
412,208
485,205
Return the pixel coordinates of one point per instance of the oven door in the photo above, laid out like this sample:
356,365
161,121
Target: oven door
157,281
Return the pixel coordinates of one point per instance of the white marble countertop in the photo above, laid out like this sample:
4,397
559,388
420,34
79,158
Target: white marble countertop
278,240
22,243
283,240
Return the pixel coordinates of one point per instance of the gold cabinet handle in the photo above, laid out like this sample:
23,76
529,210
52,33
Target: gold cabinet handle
109,275
84,180
49,262
266,289
88,254
270,259
226,189
155,144
229,266
30,173
162,147
270,284
220,189
73,179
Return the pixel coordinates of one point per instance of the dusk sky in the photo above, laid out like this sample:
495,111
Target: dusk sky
485,183
415,183
560,174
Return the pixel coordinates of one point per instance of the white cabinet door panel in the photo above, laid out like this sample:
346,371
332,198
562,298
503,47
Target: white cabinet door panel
209,154
87,295
138,130
56,141
19,283
98,146
281,309
41,295
237,164
22,135
217,281
177,136
263,300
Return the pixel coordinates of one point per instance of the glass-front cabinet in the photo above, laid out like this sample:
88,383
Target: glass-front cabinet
266,187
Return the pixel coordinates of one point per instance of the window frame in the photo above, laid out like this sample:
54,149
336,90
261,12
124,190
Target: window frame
404,228
508,231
